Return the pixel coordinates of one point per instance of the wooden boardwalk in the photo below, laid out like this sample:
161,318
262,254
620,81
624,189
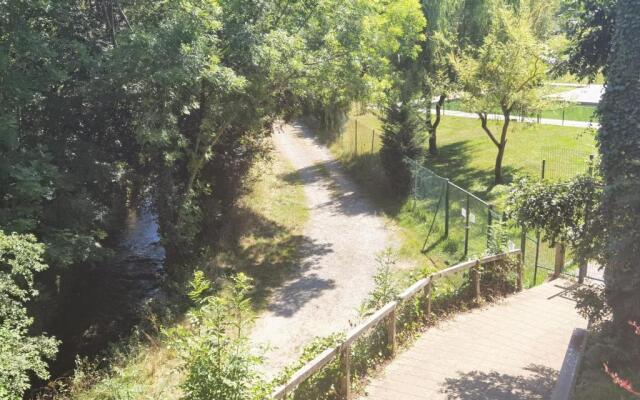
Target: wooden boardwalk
508,351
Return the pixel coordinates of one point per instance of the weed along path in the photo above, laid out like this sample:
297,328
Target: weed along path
344,234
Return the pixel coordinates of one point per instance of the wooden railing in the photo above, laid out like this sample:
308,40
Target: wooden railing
387,315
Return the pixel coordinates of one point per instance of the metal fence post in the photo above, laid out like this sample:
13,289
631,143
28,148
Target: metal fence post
535,263
373,138
356,144
544,165
489,223
466,228
446,209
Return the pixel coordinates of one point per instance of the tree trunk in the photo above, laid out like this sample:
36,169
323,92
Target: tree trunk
433,145
502,146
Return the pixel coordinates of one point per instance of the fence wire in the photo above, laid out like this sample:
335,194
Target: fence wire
458,226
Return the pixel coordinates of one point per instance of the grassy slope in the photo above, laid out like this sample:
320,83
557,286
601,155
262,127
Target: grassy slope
269,223
466,157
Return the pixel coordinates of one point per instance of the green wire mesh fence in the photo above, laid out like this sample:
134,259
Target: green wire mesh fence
459,225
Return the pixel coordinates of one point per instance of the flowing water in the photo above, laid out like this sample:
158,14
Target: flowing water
104,302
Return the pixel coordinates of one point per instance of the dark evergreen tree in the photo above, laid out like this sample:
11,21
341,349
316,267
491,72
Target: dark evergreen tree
403,137
619,141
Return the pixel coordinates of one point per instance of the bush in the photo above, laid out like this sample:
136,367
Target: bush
21,354
216,350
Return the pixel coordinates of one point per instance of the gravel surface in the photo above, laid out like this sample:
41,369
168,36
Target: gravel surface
343,236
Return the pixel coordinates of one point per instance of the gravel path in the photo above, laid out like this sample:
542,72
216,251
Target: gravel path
343,235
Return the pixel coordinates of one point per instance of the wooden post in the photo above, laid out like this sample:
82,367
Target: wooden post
475,276
344,386
559,264
391,332
427,296
520,279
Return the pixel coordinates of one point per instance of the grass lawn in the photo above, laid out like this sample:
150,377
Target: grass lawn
467,158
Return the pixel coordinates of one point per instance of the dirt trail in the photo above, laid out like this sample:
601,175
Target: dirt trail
344,235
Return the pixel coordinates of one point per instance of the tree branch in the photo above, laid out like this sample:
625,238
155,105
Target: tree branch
483,118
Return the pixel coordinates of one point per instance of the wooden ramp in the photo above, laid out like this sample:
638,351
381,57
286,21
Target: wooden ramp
510,350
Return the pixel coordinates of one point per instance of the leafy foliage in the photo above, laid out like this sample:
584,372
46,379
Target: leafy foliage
565,212
402,137
386,287
507,73
589,25
620,167
216,348
20,352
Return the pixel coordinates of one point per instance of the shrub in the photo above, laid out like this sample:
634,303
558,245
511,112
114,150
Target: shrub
20,353
216,350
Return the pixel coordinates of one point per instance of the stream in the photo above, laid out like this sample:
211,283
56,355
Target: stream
105,302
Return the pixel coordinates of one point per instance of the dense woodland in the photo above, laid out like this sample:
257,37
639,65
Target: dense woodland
110,105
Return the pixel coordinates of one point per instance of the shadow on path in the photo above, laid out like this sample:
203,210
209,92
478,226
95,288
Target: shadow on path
536,384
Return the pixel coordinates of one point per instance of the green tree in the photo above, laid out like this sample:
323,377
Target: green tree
436,60
620,167
403,137
506,73
21,353
589,25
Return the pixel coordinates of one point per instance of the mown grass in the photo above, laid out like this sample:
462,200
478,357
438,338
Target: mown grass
263,240
466,157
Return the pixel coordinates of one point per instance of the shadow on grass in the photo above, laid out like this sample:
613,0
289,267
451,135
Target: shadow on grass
453,162
536,383
280,261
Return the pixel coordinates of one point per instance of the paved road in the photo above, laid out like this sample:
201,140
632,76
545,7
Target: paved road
342,238
590,94
509,351
543,121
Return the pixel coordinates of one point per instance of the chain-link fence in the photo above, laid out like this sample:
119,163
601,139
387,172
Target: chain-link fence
558,164
458,226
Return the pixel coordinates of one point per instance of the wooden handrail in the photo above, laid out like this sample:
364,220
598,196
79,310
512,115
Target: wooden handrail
387,311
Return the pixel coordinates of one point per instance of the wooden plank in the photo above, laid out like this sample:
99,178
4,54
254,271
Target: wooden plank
455,269
497,257
372,320
303,373
413,289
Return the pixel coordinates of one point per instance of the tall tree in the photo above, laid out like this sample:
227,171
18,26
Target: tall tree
619,146
589,25
506,73
435,60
